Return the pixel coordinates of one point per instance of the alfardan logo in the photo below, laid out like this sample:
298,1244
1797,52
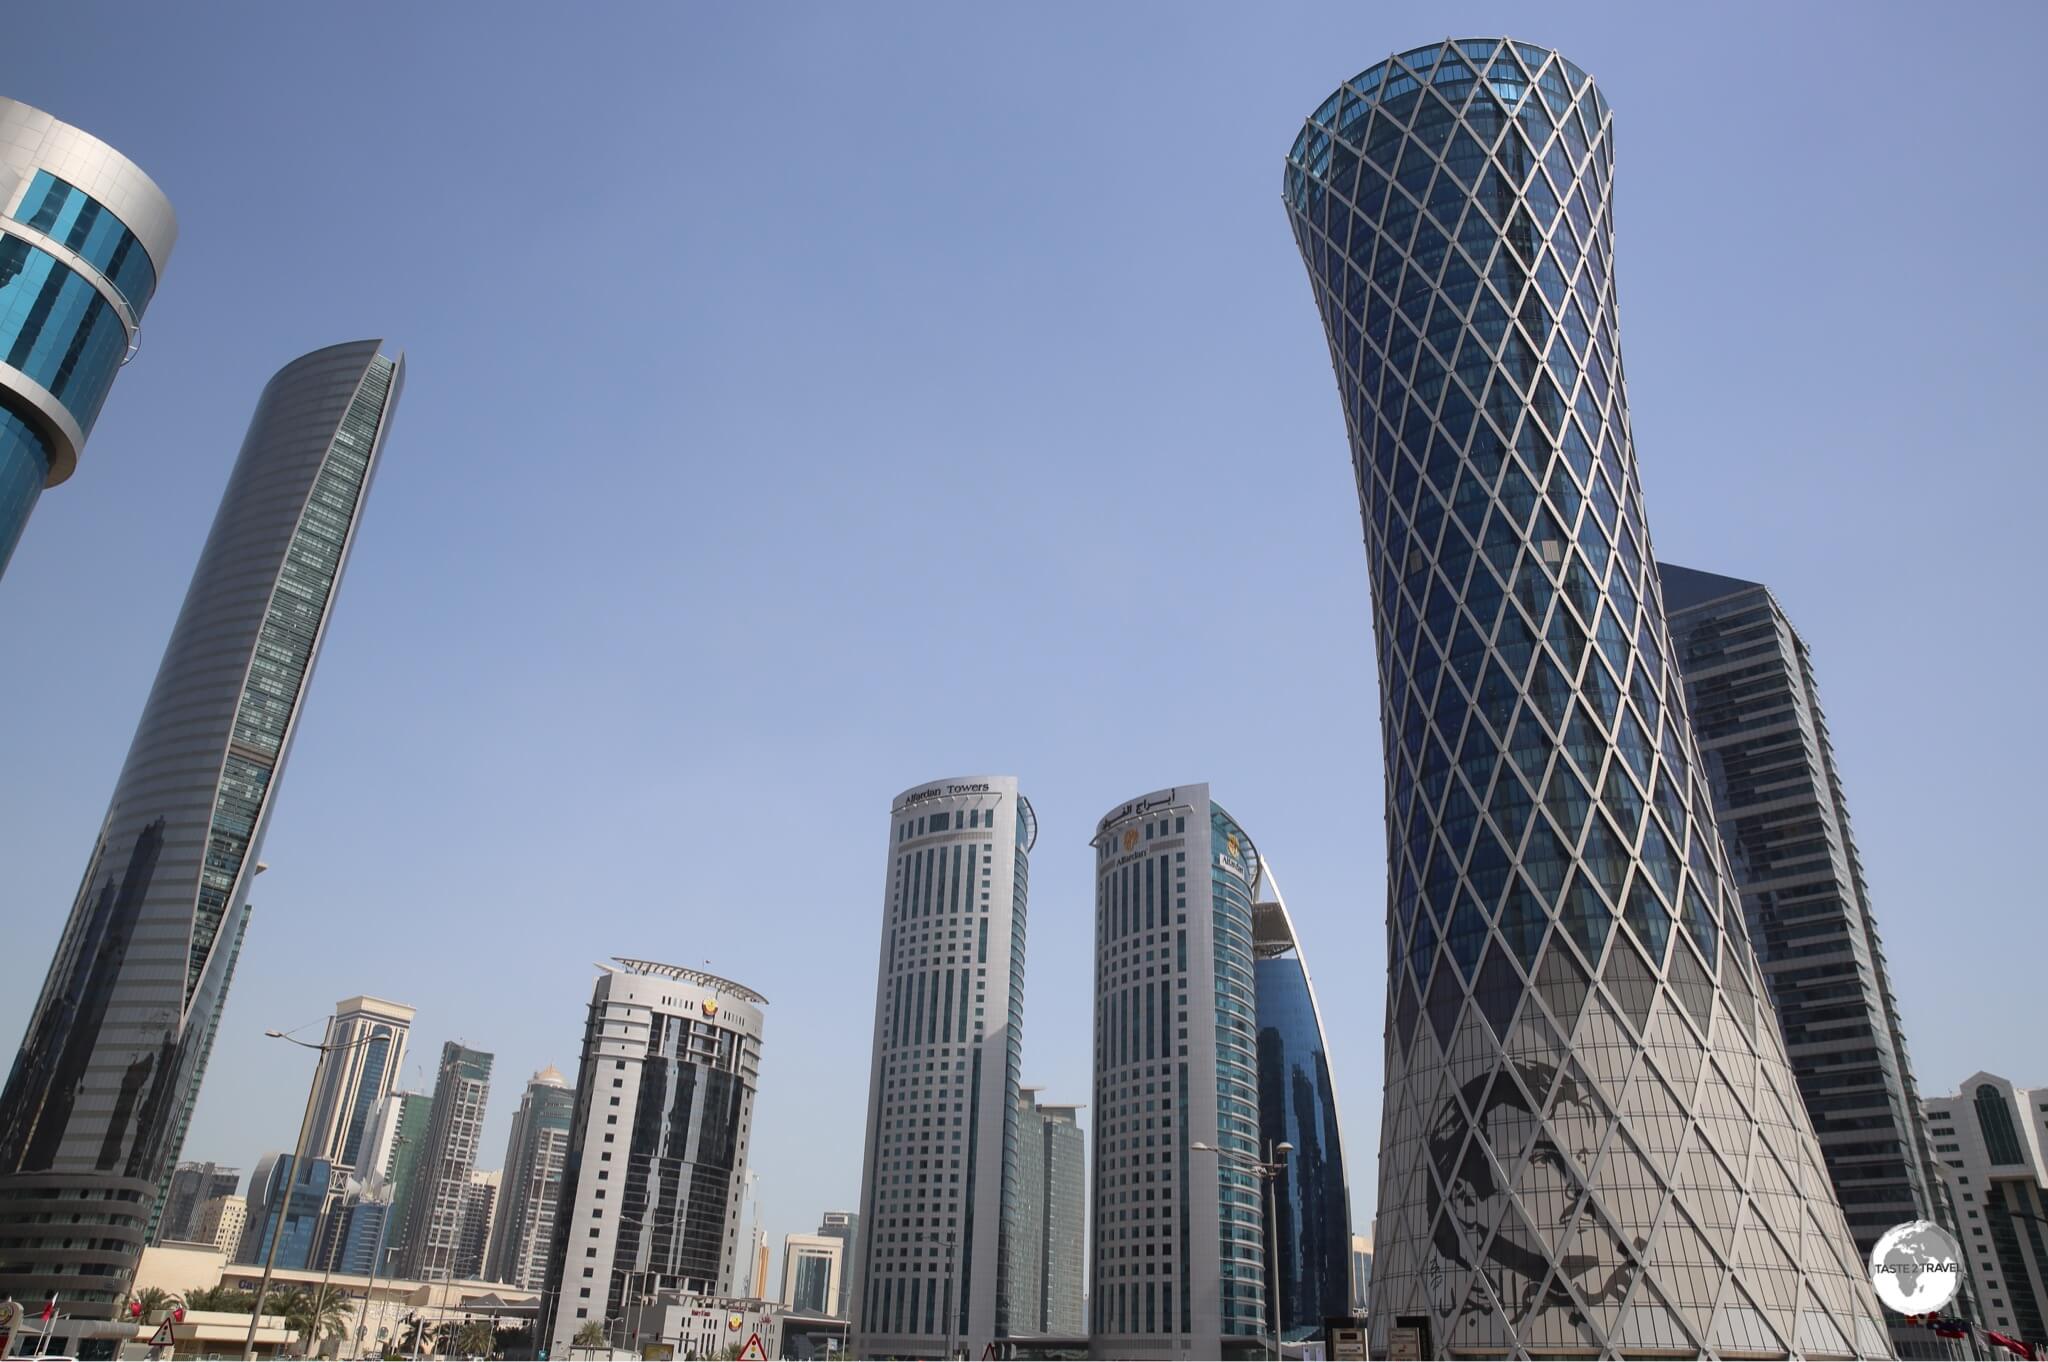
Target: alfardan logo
1130,838
710,1007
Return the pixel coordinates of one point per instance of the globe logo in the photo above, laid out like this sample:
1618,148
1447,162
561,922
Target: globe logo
1916,1267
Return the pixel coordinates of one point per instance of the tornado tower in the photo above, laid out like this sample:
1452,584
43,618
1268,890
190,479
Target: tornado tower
1592,1142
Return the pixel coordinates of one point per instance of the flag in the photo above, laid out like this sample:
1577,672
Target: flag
135,1307
1951,1328
2011,1345
177,1314
49,1308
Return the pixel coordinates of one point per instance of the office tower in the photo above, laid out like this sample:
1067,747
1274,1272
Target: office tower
396,1129
474,1231
1572,1005
1179,1261
85,236
288,1206
447,1156
534,1157
845,1227
938,1182
359,1240
1784,818
96,1107
1992,1141
664,1110
192,1185
220,1223
1361,1273
366,1045
1047,1252
811,1264
1298,1106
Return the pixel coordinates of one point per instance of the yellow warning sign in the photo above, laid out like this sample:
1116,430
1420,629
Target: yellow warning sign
753,1351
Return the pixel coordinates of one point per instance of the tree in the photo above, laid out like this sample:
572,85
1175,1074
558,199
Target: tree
591,1335
222,1299
473,1338
312,1315
155,1301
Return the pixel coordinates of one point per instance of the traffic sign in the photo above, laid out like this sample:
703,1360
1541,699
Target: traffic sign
753,1352
162,1337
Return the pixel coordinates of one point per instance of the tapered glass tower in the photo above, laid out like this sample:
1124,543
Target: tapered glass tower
1591,1140
95,1109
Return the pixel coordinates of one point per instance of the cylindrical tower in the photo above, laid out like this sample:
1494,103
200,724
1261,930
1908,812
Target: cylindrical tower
84,238
1591,1139
933,1269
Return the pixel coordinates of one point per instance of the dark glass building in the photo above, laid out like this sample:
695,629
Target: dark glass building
96,1107
84,235
1592,1141
1779,801
1298,1106
286,1207
657,1160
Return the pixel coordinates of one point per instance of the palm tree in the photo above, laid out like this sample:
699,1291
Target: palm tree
312,1315
591,1335
473,1338
224,1299
154,1302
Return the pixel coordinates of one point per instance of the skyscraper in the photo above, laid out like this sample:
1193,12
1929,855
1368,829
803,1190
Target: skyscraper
1992,1140
534,1158
220,1223
938,1184
1298,1106
191,1186
1778,799
475,1229
96,1107
664,1111
1052,1202
366,1045
397,1129
432,1240
85,237
845,1227
1180,1266
1592,1139
287,1204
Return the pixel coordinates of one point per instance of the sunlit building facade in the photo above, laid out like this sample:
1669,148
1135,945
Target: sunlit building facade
84,236
95,1111
1592,1141
936,1258
1179,1266
650,1202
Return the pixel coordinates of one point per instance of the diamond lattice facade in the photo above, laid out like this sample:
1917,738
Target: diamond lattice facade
1592,1142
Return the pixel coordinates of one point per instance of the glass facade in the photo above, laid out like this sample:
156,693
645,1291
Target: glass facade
1298,1105
434,1205
1782,812
67,214
97,1103
24,466
294,1218
1578,1076
58,329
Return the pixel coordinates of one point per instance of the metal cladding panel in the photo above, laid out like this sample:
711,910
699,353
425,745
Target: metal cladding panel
31,140
114,1050
1592,1142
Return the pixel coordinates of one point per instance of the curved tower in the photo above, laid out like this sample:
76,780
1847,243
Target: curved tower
1591,1138
95,1108
84,234
936,1267
1298,1106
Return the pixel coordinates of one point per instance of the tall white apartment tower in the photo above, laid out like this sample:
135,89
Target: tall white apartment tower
933,1268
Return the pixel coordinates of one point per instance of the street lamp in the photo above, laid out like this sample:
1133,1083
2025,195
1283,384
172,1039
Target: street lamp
298,1170
1267,1171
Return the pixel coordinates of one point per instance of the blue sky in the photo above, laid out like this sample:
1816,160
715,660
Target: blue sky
806,402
